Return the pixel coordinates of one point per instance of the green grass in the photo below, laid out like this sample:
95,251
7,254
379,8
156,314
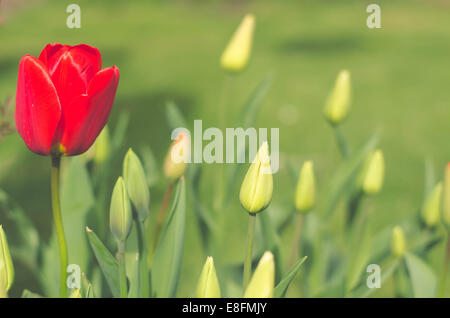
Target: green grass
170,51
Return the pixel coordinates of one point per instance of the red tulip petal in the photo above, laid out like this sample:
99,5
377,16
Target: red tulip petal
71,68
83,120
37,105
49,52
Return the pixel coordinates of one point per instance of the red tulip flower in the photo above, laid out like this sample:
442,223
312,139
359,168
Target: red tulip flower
63,99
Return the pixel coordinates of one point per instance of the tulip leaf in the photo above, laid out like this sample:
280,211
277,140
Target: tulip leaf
27,247
248,115
363,291
205,221
430,177
341,181
253,104
29,294
120,130
283,285
77,199
150,166
89,292
272,241
423,280
175,118
166,264
360,256
108,264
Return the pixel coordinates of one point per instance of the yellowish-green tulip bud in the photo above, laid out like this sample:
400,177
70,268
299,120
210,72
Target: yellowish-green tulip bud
208,284
432,207
6,265
237,53
137,187
446,198
373,173
102,146
257,187
120,216
398,242
177,157
76,293
338,102
263,280
305,194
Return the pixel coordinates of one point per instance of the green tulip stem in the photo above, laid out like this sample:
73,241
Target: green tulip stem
353,207
160,220
221,185
57,217
144,288
445,268
297,239
122,270
344,147
248,251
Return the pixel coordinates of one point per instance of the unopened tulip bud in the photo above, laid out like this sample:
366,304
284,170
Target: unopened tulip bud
177,157
76,293
432,206
338,102
257,187
398,242
134,176
446,198
262,283
305,194
102,146
237,53
208,284
6,266
120,216
373,173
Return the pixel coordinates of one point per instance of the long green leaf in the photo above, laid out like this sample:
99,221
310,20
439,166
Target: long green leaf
175,118
360,256
77,199
246,119
108,264
283,285
27,243
253,104
424,281
165,271
342,180
29,294
272,241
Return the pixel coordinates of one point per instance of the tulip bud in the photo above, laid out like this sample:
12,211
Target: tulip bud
6,266
338,102
305,194
76,293
237,53
177,157
257,187
398,242
120,217
373,173
262,283
446,199
102,146
137,188
432,206
208,284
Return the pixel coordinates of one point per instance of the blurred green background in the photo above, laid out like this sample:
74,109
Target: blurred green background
170,50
